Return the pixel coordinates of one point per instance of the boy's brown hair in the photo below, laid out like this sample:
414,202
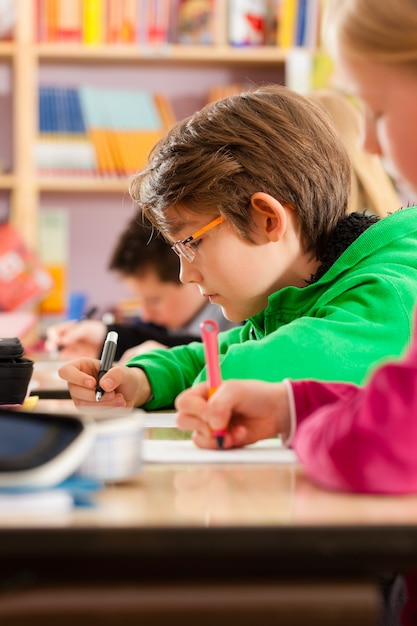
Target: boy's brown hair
269,139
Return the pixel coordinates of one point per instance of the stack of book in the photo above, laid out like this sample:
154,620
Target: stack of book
98,132
63,145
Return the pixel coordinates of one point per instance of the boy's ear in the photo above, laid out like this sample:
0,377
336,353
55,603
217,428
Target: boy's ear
269,214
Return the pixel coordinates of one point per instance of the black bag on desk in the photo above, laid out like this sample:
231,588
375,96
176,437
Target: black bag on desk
15,371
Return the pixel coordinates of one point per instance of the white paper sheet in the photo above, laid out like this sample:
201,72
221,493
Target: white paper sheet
160,420
185,451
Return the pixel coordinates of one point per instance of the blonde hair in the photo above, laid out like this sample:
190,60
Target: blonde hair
380,30
372,188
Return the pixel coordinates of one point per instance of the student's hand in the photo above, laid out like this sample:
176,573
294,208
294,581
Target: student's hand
123,386
146,346
73,339
248,410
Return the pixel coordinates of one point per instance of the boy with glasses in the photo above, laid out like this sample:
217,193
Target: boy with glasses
252,193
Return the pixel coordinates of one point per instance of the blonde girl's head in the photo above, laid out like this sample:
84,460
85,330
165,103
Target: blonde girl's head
379,30
372,188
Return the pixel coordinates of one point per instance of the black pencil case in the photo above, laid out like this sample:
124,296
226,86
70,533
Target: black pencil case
15,371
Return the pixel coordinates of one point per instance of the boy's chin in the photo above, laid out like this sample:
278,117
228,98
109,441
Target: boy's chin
232,316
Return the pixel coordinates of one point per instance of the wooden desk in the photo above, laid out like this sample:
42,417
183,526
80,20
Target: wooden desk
207,544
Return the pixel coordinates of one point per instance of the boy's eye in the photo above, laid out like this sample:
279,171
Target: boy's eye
194,244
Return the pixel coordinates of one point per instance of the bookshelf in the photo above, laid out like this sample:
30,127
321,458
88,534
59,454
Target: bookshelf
29,60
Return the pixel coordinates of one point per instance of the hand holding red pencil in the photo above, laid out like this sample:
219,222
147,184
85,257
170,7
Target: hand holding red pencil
209,334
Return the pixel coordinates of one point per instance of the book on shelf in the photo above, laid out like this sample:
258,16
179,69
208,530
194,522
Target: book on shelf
60,111
271,25
63,145
247,22
155,21
312,24
24,280
195,22
93,21
58,20
68,157
95,131
123,125
121,21
287,23
298,23
68,21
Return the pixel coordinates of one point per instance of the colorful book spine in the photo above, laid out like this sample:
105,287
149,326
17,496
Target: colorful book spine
94,18
129,21
301,23
58,21
114,21
286,30
121,21
286,23
51,11
69,19
312,31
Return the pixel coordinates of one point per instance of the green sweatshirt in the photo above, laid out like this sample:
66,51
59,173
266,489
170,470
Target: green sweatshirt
357,314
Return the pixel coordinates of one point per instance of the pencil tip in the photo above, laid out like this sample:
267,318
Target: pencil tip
220,441
98,396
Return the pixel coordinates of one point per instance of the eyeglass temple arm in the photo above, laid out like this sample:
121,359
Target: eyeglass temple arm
212,224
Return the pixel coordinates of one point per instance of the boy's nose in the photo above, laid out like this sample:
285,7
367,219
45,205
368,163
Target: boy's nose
189,272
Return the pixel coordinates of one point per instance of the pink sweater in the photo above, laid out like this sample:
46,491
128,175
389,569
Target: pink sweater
361,439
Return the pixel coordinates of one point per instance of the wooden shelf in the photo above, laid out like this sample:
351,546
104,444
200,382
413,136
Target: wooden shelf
262,55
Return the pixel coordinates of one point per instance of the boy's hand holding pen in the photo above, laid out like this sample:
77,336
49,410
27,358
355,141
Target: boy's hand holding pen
209,334
106,362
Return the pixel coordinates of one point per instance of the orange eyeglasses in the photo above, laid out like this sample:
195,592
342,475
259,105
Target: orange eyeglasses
183,248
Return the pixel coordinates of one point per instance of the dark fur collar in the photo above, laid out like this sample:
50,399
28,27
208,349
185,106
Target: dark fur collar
345,233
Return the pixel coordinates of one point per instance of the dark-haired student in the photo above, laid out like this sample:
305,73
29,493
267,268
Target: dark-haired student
170,311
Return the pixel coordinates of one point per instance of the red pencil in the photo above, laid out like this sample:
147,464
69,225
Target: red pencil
209,333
